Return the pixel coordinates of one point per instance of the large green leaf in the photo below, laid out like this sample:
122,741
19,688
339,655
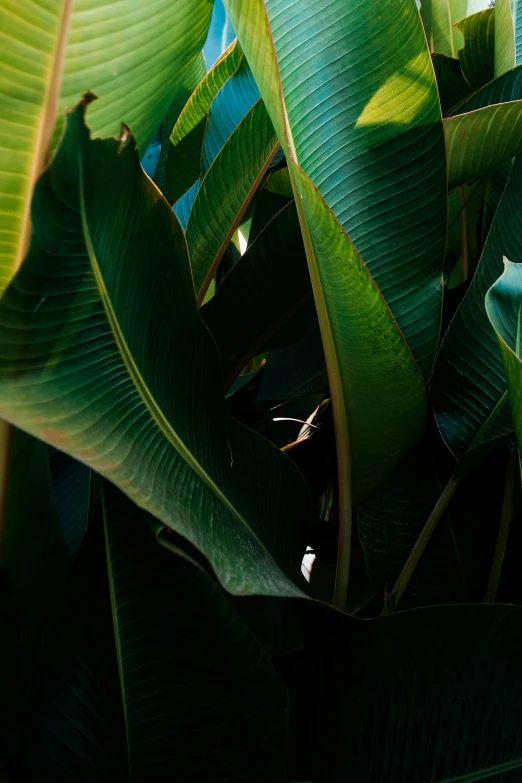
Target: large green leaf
477,56
127,53
134,387
337,121
469,388
504,310
446,679
225,193
201,700
260,294
479,140
183,161
508,35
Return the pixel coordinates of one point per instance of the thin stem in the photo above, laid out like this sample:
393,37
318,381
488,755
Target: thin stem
506,515
421,543
464,233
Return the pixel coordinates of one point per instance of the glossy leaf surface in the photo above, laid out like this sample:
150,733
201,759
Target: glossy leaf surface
51,56
481,139
335,153
128,348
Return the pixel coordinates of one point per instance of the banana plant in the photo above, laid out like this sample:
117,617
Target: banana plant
260,389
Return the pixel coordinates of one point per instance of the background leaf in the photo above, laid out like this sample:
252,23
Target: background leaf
199,695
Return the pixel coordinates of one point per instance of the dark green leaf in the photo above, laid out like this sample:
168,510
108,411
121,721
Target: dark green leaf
200,698
469,388
453,87
262,291
128,343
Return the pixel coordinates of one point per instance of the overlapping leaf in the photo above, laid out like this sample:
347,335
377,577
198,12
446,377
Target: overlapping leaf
469,387
339,120
226,191
453,87
508,35
55,50
200,697
479,140
134,388
183,159
477,56
261,292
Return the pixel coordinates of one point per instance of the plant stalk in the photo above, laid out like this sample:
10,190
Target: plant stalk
342,439
506,516
420,545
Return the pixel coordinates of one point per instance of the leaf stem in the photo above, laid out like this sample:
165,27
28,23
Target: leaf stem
342,439
420,545
506,516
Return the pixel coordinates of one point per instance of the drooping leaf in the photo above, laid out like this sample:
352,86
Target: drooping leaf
337,125
262,291
200,697
504,310
55,50
183,158
469,388
127,346
453,87
225,193
477,56
479,140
